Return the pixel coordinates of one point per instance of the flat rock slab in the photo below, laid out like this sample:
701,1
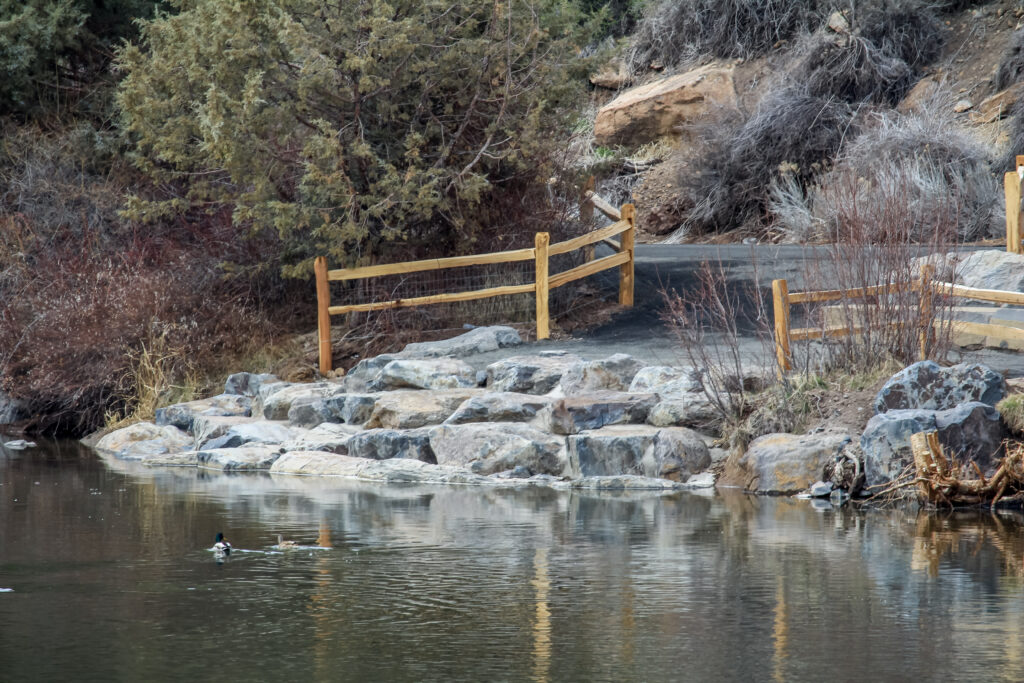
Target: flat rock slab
576,414
501,406
529,374
259,432
190,459
782,463
477,340
666,381
143,440
624,482
673,453
439,373
327,437
247,383
245,459
496,447
388,444
412,409
388,471
614,373
929,386
206,427
182,415
973,432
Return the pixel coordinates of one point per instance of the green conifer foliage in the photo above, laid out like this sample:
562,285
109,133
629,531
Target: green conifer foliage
347,125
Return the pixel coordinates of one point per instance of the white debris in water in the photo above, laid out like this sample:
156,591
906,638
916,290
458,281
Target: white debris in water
19,445
6,590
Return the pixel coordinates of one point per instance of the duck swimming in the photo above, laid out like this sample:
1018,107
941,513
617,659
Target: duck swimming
221,545
285,545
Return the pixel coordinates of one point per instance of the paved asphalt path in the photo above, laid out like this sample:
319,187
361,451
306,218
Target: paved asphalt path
641,332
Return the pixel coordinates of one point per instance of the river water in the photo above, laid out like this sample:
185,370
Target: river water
111,579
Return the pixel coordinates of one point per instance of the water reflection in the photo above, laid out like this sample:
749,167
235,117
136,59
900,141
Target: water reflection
441,583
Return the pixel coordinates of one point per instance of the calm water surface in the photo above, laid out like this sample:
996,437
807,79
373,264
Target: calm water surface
112,580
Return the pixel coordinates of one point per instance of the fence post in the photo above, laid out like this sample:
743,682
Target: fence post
541,242
927,275
587,215
780,297
323,315
626,279
1011,189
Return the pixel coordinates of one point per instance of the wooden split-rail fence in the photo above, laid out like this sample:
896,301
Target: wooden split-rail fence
540,253
1013,181
925,285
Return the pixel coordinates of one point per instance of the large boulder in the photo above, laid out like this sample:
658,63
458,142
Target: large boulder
387,471
11,411
503,406
972,432
576,414
143,440
694,410
206,427
346,408
495,447
181,415
247,459
276,404
437,373
927,385
661,108
388,444
247,383
672,453
666,381
614,373
327,438
259,432
477,340
411,409
782,463
529,374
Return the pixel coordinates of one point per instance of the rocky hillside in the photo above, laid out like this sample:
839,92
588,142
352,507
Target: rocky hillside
844,109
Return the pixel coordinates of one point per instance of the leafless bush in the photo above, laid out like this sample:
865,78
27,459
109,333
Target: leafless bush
852,69
673,32
1011,65
792,133
908,30
935,173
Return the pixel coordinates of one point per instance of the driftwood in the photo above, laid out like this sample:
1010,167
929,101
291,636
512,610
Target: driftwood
940,483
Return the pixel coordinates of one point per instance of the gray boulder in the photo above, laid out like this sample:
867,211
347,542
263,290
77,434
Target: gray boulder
504,406
260,432
181,415
495,447
143,440
575,414
529,374
666,381
614,373
412,409
387,444
972,431
672,453
277,403
341,408
247,459
206,427
327,437
438,373
927,385
782,463
477,340
247,383
685,410
11,411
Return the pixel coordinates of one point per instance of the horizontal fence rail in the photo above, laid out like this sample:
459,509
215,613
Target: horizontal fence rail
926,285
624,226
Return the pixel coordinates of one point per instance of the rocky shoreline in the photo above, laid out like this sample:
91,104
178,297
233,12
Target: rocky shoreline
425,415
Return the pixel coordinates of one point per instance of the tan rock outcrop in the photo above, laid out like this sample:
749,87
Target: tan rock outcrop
657,109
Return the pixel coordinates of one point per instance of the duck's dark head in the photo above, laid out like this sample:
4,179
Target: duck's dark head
220,538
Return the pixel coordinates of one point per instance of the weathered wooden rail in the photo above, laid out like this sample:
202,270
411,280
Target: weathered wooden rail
925,285
540,254
1012,184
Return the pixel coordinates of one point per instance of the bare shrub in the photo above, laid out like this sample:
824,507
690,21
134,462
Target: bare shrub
792,132
853,69
922,163
1011,65
673,32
